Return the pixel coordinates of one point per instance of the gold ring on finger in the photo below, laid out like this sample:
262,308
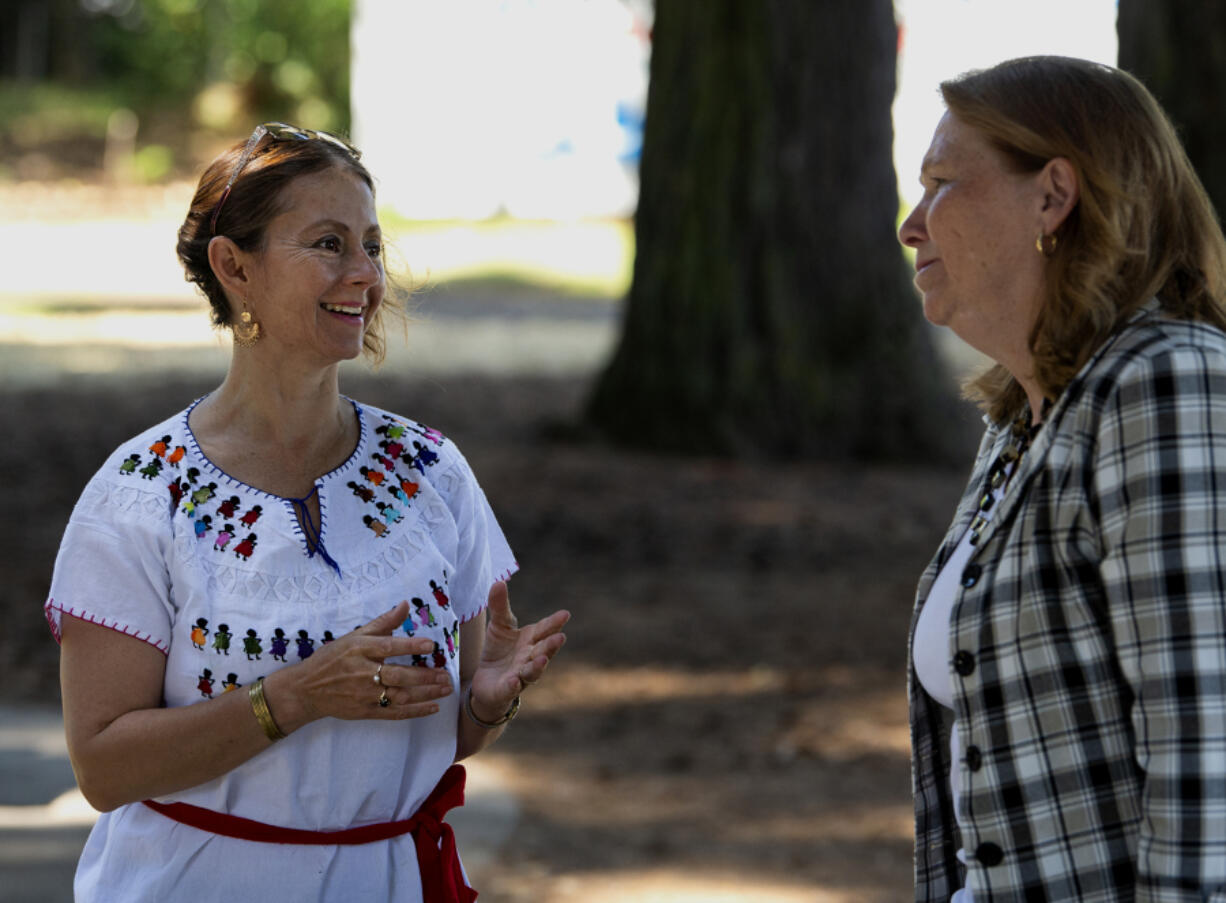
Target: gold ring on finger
378,679
383,700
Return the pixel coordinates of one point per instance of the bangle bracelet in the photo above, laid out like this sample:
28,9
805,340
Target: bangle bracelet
488,725
259,705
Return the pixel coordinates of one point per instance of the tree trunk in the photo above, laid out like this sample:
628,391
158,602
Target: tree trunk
770,310
1178,49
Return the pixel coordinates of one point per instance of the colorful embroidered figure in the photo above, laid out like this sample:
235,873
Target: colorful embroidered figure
152,469
244,549
455,636
224,535
229,507
388,464
433,435
439,596
427,457
419,661
450,644
408,625
189,507
327,638
425,617
176,456
306,645
423,459
176,494
391,430
390,513
251,644
361,492
128,466
205,684
252,515
373,475
279,644
230,683
398,494
204,493
221,639
375,525
440,660
202,526
391,448
200,631
159,447
193,474
409,487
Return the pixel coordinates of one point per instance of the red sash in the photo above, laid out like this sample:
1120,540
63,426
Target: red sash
442,880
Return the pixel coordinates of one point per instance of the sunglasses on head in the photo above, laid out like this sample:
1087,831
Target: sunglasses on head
277,131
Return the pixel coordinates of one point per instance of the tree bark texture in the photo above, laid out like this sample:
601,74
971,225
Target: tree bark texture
770,309
1177,48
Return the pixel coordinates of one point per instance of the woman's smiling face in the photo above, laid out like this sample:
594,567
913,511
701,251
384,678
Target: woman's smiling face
974,235
318,280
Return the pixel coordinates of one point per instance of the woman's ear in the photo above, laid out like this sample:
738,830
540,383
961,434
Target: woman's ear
230,266
1058,181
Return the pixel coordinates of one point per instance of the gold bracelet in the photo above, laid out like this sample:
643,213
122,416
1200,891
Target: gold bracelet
488,725
259,705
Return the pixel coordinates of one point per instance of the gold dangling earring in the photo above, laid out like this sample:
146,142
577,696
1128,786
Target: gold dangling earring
246,330
1041,244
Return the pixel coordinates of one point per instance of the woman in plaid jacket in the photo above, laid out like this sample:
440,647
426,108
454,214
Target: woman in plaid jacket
1068,650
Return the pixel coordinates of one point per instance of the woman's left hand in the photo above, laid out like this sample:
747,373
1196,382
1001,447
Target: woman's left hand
512,657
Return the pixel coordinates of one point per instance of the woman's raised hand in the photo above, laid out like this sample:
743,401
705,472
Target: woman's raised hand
350,678
512,657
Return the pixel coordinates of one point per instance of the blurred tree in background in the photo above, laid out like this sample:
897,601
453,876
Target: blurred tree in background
771,310
168,77
1178,49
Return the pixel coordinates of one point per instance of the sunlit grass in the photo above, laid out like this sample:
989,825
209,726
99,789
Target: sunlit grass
588,258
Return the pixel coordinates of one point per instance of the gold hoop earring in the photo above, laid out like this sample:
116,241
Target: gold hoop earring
1046,244
246,330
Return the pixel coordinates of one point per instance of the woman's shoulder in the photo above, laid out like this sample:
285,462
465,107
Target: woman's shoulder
1154,339
405,436
140,470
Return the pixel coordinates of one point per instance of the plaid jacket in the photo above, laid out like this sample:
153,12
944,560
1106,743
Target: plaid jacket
1088,646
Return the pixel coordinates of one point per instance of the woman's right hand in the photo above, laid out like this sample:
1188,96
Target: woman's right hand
338,680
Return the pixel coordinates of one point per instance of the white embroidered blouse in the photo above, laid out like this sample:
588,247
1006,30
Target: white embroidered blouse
220,577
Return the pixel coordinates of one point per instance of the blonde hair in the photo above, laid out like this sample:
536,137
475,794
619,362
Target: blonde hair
1143,225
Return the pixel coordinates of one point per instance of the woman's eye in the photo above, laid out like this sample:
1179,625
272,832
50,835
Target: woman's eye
374,249
329,244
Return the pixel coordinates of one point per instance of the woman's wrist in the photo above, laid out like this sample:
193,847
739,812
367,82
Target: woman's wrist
478,714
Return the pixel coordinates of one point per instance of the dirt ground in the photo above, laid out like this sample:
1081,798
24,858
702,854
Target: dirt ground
728,719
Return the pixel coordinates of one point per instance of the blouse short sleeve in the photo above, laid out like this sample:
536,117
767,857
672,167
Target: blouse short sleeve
483,555
111,567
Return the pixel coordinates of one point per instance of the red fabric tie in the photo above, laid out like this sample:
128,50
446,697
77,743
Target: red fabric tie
442,879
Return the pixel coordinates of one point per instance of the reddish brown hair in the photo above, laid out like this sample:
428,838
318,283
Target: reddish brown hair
255,199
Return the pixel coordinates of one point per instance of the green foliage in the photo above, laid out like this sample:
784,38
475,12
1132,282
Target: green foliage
42,112
279,58
196,74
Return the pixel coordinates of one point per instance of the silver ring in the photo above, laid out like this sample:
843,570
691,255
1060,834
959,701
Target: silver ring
378,680
383,700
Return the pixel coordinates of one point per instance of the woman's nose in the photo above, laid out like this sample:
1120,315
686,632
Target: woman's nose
912,231
365,269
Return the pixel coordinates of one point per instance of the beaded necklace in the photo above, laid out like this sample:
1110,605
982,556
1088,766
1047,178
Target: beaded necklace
1021,434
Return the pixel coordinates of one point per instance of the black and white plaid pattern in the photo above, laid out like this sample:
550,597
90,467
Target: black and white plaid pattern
1088,646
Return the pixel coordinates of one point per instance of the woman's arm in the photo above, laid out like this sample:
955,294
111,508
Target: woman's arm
498,660
125,746
1160,487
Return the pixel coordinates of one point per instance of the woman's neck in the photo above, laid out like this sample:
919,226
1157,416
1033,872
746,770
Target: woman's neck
277,415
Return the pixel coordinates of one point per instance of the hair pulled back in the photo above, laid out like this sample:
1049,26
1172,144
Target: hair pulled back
255,199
